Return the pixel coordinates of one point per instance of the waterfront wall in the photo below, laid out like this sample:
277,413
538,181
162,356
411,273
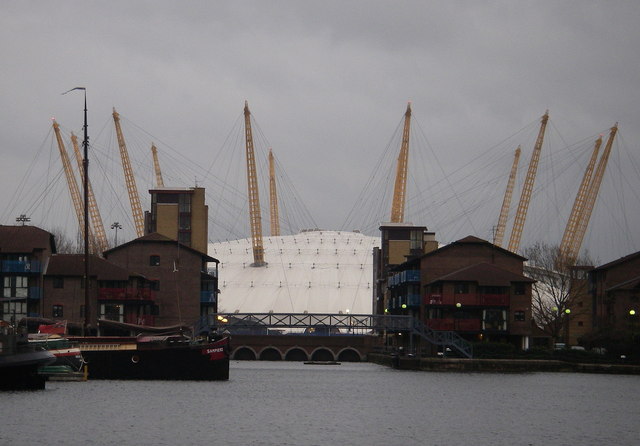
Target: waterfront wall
497,365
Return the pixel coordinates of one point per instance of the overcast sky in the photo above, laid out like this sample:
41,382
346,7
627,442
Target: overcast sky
328,83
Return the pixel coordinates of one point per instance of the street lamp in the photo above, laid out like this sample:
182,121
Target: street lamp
116,226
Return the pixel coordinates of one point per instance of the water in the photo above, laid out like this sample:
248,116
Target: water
282,403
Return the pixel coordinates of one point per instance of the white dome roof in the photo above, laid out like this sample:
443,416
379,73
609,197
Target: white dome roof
315,271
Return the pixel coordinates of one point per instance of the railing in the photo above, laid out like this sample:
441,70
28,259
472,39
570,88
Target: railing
403,277
145,319
207,297
126,294
455,324
21,266
353,323
498,300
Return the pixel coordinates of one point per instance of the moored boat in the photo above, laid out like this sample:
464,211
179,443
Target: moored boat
19,362
160,357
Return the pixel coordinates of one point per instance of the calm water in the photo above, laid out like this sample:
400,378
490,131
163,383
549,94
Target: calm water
281,403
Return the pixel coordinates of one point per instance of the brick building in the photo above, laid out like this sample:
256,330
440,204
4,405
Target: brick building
24,255
185,290
469,286
615,290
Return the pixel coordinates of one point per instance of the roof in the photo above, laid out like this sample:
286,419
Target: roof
317,271
73,265
155,237
485,274
472,240
626,285
25,239
619,261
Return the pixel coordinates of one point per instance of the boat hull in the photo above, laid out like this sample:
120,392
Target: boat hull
199,362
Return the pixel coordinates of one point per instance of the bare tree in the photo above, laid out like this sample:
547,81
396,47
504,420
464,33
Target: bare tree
559,285
64,243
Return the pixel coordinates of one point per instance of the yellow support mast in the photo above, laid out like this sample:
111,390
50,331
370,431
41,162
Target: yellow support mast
525,195
273,197
578,205
94,212
134,198
253,195
590,201
156,166
506,202
73,184
400,187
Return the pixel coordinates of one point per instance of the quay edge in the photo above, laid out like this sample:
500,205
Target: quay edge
498,365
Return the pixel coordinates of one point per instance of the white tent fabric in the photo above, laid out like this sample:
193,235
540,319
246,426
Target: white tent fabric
315,271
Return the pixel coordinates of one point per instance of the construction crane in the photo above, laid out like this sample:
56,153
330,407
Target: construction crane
253,195
583,221
73,185
156,165
578,205
94,213
134,198
527,188
273,197
506,202
400,187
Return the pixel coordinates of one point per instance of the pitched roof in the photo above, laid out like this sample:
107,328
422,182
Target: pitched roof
472,240
618,261
155,237
485,274
24,239
73,265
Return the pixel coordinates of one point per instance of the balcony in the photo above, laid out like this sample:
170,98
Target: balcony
126,294
35,292
483,300
453,324
404,277
207,297
143,319
21,266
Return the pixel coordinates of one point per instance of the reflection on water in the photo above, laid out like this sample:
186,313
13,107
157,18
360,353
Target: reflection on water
282,403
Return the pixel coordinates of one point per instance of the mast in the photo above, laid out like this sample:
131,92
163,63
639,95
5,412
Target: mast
254,197
578,204
273,197
99,236
71,181
134,198
85,163
525,195
594,188
156,165
506,202
400,187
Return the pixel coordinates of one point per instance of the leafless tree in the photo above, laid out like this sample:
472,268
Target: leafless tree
559,284
64,243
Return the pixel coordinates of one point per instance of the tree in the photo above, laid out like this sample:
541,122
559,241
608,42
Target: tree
64,244
559,285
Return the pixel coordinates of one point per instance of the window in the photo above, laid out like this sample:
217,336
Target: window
580,324
518,288
14,311
112,312
518,316
155,285
16,286
461,288
57,311
58,282
154,260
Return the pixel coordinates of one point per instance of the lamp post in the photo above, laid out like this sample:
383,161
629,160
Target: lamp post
632,315
116,226
567,312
